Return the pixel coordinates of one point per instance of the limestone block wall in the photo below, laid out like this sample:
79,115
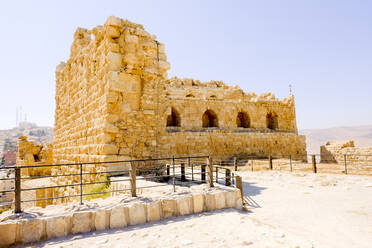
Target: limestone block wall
81,100
105,93
225,144
334,152
114,102
191,98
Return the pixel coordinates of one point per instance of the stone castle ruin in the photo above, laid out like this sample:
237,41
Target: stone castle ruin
114,101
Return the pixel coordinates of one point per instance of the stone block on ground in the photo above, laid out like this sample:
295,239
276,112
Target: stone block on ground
238,199
82,222
185,205
102,220
137,213
57,226
220,199
169,207
210,201
230,199
31,230
119,217
198,202
8,233
154,211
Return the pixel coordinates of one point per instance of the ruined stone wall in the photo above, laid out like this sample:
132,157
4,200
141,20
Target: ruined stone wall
114,102
105,93
334,152
189,99
81,100
30,153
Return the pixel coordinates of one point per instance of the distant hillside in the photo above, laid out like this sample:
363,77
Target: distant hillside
9,137
362,135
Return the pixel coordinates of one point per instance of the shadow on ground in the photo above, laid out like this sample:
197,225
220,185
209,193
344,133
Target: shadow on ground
250,190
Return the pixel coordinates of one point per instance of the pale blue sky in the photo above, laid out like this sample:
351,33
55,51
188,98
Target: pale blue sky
322,47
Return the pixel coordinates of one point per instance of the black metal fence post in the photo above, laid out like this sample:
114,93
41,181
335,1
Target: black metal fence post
235,164
17,189
174,174
192,172
216,174
227,177
271,162
183,176
290,162
81,184
203,173
314,163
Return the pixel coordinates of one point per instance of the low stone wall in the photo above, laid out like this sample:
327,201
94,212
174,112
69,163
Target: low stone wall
21,231
335,152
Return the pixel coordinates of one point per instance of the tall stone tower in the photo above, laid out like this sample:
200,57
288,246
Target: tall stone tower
107,94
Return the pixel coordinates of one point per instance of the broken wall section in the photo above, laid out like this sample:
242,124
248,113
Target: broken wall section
335,152
186,101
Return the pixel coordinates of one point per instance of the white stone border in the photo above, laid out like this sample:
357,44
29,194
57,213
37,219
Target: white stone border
122,215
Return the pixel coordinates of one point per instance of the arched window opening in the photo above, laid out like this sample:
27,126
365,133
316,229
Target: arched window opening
174,119
209,119
272,121
190,95
213,96
242,120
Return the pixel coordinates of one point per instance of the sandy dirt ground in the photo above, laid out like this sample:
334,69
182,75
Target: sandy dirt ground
285,210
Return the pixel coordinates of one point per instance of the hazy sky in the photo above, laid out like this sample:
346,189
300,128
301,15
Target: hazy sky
323,48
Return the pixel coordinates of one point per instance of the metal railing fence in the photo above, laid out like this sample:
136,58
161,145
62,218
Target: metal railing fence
176,170
163,170
355,164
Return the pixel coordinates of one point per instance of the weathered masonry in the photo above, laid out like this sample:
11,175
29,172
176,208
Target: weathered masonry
114,101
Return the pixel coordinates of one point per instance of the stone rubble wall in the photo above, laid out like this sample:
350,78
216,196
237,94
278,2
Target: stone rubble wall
24,231
334,152
30,153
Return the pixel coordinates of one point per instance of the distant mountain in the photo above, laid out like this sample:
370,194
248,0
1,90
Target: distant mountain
9,137
362,135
